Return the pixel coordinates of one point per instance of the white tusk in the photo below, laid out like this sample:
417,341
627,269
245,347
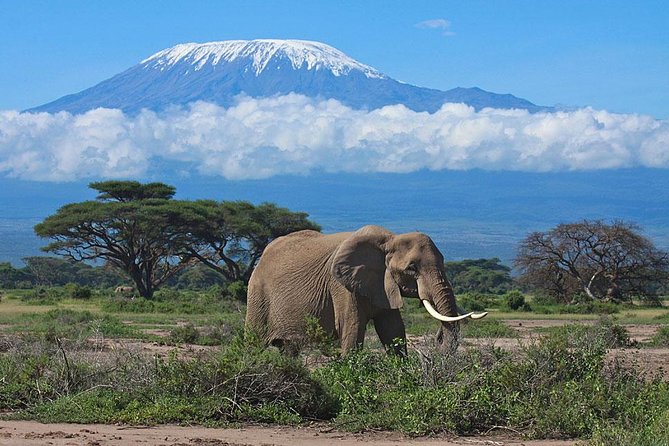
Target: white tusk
435,314
479,315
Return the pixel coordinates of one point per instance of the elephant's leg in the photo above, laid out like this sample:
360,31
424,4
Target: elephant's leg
390,328
352,335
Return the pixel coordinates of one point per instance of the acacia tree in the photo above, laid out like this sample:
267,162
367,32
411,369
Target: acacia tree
230,236
130,225
604,261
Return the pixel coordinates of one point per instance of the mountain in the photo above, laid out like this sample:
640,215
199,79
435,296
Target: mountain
217,72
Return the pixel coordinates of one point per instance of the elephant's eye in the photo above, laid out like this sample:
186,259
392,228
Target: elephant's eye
411,269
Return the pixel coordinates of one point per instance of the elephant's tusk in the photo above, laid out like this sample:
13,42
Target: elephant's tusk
435,314
474,315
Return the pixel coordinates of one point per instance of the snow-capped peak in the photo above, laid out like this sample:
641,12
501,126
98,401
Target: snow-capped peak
315,55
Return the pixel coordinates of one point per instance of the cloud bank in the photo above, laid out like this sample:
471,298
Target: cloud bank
293,134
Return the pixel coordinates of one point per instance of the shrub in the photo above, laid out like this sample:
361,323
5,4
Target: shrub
661,338
186,334
488,328
243,382
515,300
473,301
81,292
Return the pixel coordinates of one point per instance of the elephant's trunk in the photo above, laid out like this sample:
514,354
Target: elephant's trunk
438,297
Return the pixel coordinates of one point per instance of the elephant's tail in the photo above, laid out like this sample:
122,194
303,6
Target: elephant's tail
257,313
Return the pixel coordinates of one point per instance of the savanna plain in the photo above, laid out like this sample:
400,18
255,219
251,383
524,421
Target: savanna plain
82,365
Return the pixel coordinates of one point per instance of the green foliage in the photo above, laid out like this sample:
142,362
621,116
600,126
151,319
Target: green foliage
318,339
515,300
244,382
559,386
488,328
539,391
480,275
72,324
142,231
80,292
53,271
230,236
184,334
654,434
11,277
579,308
196,277
661,338
124,191
474,301
173,301
604,331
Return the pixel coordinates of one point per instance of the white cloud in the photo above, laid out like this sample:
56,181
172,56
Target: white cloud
292,134
441,24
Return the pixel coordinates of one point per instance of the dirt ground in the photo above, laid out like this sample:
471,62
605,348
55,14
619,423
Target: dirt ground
29,433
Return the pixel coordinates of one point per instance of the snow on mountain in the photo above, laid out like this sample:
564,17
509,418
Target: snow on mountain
315,55
218,72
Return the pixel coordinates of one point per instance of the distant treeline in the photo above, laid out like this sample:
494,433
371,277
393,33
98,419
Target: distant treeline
472,275
43,271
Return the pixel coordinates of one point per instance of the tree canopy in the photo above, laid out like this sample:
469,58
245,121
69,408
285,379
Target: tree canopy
230,236
128,226
479,275
602,261
141,230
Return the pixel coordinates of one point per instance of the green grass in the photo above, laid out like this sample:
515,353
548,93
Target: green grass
72,324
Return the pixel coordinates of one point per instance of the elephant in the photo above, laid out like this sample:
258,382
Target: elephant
344,280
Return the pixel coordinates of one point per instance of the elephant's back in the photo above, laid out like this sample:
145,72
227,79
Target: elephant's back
300,250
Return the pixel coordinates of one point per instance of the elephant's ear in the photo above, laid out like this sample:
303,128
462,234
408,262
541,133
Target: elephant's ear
360,265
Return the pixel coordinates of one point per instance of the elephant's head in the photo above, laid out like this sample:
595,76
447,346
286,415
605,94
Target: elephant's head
382,266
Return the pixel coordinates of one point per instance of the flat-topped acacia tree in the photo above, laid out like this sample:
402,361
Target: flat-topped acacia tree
143,231
129,225
230,236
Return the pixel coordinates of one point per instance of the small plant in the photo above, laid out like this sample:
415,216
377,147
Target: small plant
317,338
661,338
488,328
515,300
81,292
236,291
184,334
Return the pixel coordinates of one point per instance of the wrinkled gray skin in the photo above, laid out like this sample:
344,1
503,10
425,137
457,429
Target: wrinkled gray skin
345,280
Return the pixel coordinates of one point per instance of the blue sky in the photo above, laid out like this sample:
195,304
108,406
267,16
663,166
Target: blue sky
611,55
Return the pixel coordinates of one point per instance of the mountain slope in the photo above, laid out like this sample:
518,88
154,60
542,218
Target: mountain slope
219,71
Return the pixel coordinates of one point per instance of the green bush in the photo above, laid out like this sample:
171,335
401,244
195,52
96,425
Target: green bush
488,328
171,301
244,382
474,301
515,300
187,334
579,308
604,331
80,292
654,434
661,338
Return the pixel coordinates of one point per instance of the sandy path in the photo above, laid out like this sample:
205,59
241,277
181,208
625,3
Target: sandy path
28,433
